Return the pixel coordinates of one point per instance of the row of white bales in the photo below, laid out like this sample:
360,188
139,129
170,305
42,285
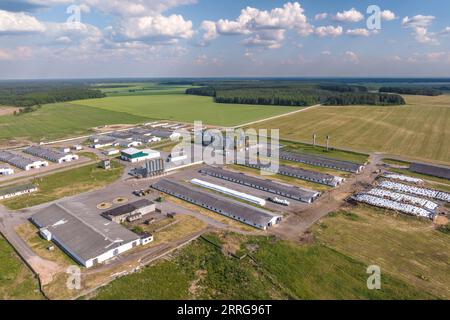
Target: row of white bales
405,198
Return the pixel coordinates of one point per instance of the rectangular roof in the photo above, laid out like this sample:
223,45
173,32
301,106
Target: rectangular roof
45,153
224,206
321,161
15,189
128,208
268,185
86,239
431,170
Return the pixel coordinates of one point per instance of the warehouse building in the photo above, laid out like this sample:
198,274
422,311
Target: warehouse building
431,170
145,138
230,192
21,161
130,212
15,191
6,171
165,134
90,240
247,214
152,168
128,143
302,174
111,152
121,135
102,141
320,161
141,131
291,192
135,155
51,154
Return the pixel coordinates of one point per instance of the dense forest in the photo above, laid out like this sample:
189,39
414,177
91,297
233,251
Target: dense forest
422,91
30,96
295,94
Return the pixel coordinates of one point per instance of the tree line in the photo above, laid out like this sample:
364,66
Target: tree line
296,95
422,91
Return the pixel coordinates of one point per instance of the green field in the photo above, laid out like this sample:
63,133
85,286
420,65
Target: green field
66,183
406,247
60,120
421,129
185,108
278,270
17,282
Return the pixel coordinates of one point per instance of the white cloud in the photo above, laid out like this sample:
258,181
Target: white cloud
351,15
331,31
156,27
445,31
16,23
352,57
321,16
18,53
360,32
419,24
388,15
264,28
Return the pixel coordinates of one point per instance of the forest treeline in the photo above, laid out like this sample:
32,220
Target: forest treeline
28,97
296,95
420,91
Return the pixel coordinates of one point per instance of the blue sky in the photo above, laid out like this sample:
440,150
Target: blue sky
202,38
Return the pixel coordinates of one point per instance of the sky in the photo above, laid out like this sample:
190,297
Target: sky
224,38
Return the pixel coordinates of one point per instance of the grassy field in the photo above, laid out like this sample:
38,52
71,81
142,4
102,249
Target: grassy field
421,129
283,270
17,282
406,247
55,186
185,108
60,120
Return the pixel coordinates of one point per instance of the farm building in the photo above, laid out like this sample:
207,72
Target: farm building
77,147
243,196
247,214
111,152
165,134
89,240
431,170
152,168
51,154
21,161
15,191
102,141
121,135
140,132
130,212
128,143
320,161
302,174
291,192
146,138
134,155
6,171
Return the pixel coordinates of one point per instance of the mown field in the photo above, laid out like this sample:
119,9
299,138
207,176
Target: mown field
185,108
331,264
17,282
421,129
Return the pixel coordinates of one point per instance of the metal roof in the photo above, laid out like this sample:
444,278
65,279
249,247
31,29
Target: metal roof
17,160
128,208
15,189
431,170
86,239
223,206
46,153
267,185
321,161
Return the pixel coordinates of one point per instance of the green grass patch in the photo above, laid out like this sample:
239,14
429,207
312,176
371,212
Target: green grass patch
185,108
396,162
283,270
60,120
17,282
67,183
321,151
444,229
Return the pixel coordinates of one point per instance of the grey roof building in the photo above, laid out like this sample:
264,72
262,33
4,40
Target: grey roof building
22,161
87,239
291,192
431,170
247,214
320,161
50,154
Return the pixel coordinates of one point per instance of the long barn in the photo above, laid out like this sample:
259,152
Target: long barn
252,216
291,192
